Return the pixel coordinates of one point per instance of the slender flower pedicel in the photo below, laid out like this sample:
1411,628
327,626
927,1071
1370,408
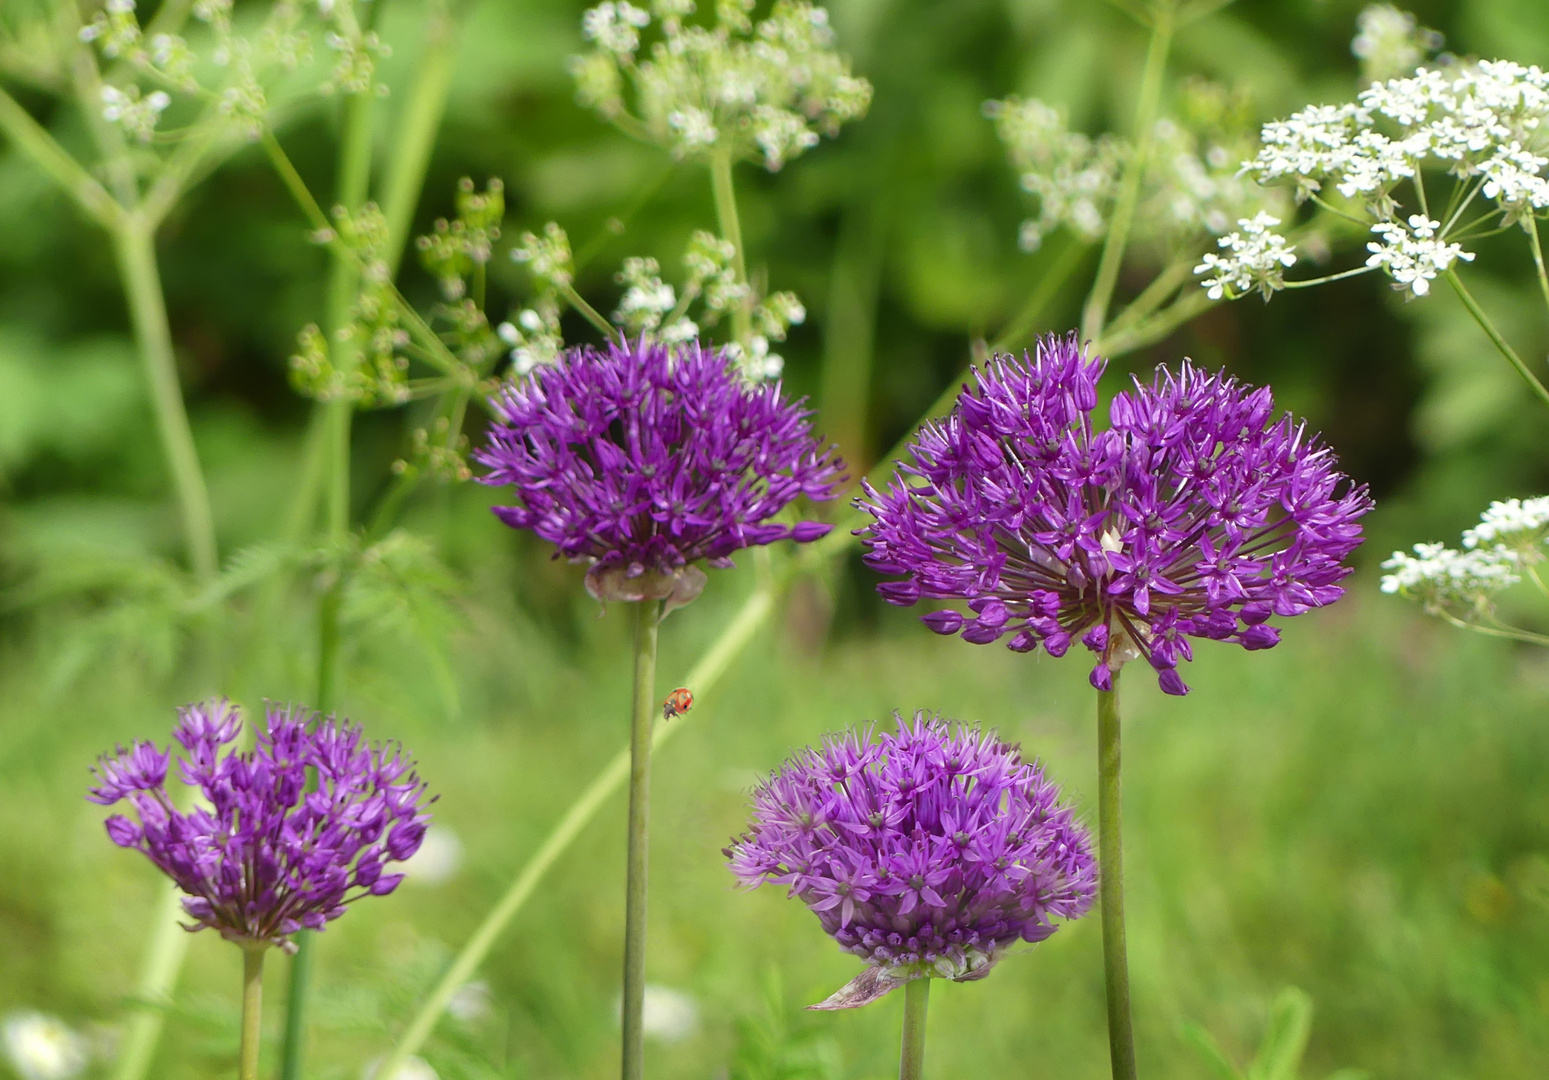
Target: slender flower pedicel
929,852
285,835
641,462
1196,514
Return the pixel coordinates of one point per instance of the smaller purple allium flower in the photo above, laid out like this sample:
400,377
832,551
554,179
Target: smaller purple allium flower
644,459
1197,513
283,836
928,851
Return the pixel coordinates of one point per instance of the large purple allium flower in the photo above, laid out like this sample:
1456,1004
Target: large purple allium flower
928,851
284,836
1196,514
644,459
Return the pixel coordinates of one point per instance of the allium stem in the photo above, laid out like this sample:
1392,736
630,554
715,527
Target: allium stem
1096,309
1121,1039
252,1009
752,616
911,1061
731,230
1495,337
642,714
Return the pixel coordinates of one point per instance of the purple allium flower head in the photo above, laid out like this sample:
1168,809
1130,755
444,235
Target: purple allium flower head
1197,513
284,836
927,851
644,459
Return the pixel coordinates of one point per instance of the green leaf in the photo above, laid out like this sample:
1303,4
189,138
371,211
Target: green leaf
1210,1051
1290,1025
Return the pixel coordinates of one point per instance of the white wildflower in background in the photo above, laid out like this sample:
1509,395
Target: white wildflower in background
413,1068
1256,258
1413,256
1390,42
533,337
42,1047
547,257
437,861
765,91
668,1015
471,1003
1509,539
647,298
1192,187
136,115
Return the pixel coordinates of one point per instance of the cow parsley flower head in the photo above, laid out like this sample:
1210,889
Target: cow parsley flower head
1511,537
1256,258
765,91
42,1047
1390,43
644,459
1197,514
929,851
1192,188
286,835
1413,256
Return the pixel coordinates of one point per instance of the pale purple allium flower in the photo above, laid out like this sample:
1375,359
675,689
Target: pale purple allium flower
282,837
1196,514
928,851
646,458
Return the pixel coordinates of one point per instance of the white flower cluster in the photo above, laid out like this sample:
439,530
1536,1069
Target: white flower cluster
1192,185
137,115
1256,258
1390,42
1510,535
649,305
42,1047
246,63
765,90
1413,256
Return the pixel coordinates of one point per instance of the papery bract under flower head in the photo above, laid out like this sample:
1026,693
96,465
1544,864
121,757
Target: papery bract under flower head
645,458
1196,514
928,851
285,835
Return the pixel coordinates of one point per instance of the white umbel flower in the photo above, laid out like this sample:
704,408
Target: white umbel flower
42,1047
1256,258
1413,256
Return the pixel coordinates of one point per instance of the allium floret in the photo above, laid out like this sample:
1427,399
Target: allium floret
284,836
1197,514
929,851
644,459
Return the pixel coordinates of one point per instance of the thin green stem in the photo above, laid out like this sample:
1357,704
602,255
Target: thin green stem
1307,283
1096,310
153,993
648,614
252,1009
344,283
417,127
1121,1039
703,678
28,136
911,1060
135,247
1538,258
591,314
1495,337
1510,633
1154,295
731,230
1154,328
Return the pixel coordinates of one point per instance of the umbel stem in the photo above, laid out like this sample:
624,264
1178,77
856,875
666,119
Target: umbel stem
642,714
911,1060
252,1008
1110,845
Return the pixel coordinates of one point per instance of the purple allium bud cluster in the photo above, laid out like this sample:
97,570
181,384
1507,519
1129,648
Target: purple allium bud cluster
927,851
282,837
1196,514
646,458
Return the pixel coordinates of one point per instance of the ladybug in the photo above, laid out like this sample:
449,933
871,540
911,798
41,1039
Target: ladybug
678,702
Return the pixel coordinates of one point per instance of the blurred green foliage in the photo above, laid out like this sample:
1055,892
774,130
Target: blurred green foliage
1362,813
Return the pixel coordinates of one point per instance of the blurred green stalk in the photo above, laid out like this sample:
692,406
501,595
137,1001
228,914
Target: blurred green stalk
1500,343
1108,266
648,614
252,1009
731,230
1110,848
911,1059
